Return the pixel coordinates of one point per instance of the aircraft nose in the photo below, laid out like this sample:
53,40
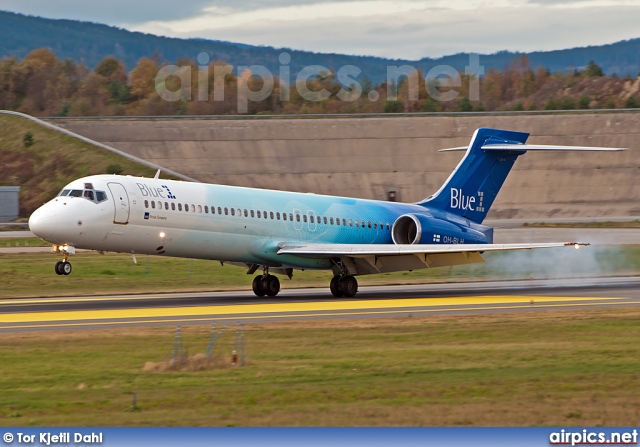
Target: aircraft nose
43,223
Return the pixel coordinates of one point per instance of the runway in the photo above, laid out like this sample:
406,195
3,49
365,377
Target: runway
371,302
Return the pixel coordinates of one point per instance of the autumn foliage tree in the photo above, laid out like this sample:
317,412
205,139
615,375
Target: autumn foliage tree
42,85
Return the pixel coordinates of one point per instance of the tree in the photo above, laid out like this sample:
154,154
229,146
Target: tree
593,70
584,102
393,107
465,105
142,82
632,103
27,140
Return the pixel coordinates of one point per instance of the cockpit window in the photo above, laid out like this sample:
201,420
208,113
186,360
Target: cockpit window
91,195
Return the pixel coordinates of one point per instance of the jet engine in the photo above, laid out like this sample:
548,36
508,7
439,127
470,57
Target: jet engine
423,229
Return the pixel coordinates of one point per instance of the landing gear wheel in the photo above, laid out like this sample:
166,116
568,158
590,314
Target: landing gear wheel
271,285
349,286
66,268
59,268
335,287
257,286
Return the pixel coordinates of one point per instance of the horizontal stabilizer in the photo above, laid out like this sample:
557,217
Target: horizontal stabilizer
535,147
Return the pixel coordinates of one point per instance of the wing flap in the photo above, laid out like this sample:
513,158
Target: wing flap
363,259
359,250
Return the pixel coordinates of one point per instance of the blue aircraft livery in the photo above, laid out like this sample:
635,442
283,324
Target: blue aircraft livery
277,232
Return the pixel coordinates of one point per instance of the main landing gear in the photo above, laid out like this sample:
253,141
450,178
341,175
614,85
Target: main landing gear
344,286
266,284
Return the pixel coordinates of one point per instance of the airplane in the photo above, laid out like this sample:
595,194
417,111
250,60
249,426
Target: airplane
279,232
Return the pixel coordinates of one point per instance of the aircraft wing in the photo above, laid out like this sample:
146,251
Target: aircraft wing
365,259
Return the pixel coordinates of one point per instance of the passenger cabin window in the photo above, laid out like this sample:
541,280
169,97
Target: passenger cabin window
146,204
200,208
271,215
226,211
173,206
186,207
153,204
246,213
219,210
206,209
166,206
179,206
193,208
252,213
259,215
233,212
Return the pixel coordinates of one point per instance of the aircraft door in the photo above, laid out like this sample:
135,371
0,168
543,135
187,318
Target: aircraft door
120,203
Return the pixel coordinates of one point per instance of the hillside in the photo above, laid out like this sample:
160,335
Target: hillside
89,43
53,160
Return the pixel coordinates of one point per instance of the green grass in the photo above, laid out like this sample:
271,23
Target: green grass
32,274
23,242
546,368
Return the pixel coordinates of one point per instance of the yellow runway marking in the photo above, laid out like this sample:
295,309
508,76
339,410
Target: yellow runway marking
254,317
267,308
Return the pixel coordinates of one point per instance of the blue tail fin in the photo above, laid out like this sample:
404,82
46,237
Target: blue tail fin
474,184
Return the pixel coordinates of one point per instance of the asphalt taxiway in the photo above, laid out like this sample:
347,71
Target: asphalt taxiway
296,304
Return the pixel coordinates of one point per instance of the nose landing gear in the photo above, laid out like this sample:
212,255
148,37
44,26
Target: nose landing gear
63,267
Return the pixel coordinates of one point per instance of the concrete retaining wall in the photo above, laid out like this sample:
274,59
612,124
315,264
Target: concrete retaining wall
367,157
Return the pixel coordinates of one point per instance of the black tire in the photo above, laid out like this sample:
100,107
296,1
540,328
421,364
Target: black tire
335,287
58,268
271,285
66,268
257,286
349,286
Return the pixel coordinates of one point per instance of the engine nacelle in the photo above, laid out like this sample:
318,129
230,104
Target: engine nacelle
421,229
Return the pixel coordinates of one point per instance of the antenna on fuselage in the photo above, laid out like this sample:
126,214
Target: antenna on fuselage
157,176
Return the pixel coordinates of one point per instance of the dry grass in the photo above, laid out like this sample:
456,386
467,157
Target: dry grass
54,160
543,368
